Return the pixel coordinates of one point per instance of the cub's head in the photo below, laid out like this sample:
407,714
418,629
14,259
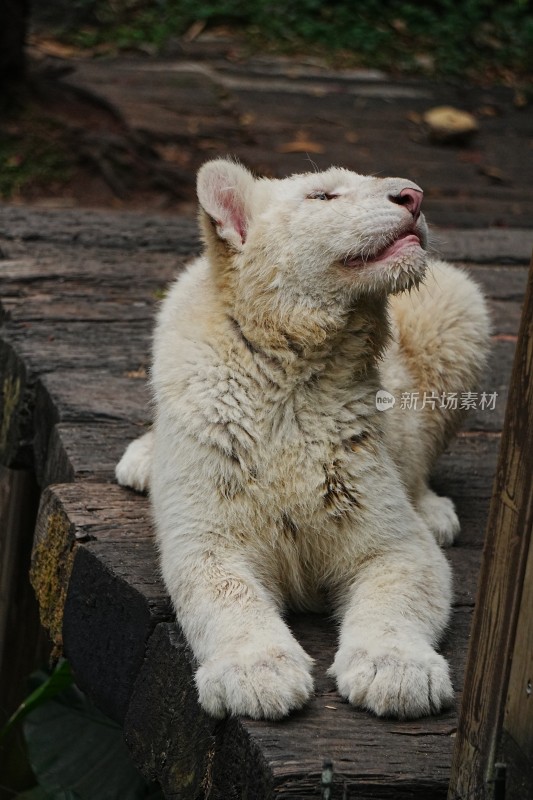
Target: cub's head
325,236
306,250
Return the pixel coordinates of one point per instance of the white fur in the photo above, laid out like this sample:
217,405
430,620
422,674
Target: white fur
134,467
275,481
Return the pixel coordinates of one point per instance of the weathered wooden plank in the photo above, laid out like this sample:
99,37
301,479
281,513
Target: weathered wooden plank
23,644
465,563
93,396
15,405
113,603
73,513
98,394
56,345
126,232
515,747
18,609
373,757
95,540
169,735
500,283
96,576
115,599
43,265
112,296
501,588
495,380
84,304
87,451
467,467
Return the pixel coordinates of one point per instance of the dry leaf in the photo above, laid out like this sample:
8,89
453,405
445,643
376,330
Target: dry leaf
489,111
494,173
173,154
247,119
53,48
520,99
300,144
136,373
195,30
399,25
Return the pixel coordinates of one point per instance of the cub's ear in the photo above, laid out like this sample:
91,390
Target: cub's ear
224,191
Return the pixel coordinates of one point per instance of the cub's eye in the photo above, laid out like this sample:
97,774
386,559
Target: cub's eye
321,196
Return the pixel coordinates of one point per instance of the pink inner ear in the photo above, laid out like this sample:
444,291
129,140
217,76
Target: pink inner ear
231,208
239,221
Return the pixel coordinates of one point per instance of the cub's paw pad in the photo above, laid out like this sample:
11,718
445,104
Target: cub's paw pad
265,685
134,467
440,517
402,684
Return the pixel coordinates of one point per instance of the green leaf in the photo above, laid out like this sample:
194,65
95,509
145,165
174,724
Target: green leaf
74,749
35,794
50,686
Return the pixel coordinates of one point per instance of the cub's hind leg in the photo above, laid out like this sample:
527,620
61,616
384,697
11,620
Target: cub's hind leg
441,336
135,466
439,515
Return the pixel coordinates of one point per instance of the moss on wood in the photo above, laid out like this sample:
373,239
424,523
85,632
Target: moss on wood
11,397
52,561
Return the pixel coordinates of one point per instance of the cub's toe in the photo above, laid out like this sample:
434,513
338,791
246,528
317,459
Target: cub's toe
397,684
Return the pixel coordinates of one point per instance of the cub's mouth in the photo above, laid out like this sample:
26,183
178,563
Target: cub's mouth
406,241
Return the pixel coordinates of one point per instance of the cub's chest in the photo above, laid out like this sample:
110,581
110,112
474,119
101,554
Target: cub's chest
305,448
315,456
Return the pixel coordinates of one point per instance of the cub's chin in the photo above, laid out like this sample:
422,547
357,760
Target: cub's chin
397,268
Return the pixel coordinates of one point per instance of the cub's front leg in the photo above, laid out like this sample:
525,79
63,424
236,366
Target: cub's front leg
249,662
393,613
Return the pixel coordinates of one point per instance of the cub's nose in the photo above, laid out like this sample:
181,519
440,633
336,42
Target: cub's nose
410,198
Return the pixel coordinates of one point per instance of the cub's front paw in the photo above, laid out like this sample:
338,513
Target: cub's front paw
267,684
440,517
400,682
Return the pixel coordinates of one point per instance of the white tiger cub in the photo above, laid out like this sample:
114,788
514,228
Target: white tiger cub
276,482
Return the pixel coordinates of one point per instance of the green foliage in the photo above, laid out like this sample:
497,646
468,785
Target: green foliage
36,158
393,34
75,752
47,688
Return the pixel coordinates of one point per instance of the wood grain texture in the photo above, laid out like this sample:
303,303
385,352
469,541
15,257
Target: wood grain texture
518,719
515,746
79,291
501,633
114,601
18,610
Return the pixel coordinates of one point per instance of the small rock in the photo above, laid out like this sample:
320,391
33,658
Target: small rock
448,125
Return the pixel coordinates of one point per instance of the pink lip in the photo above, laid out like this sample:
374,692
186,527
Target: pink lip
397,246
408,240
